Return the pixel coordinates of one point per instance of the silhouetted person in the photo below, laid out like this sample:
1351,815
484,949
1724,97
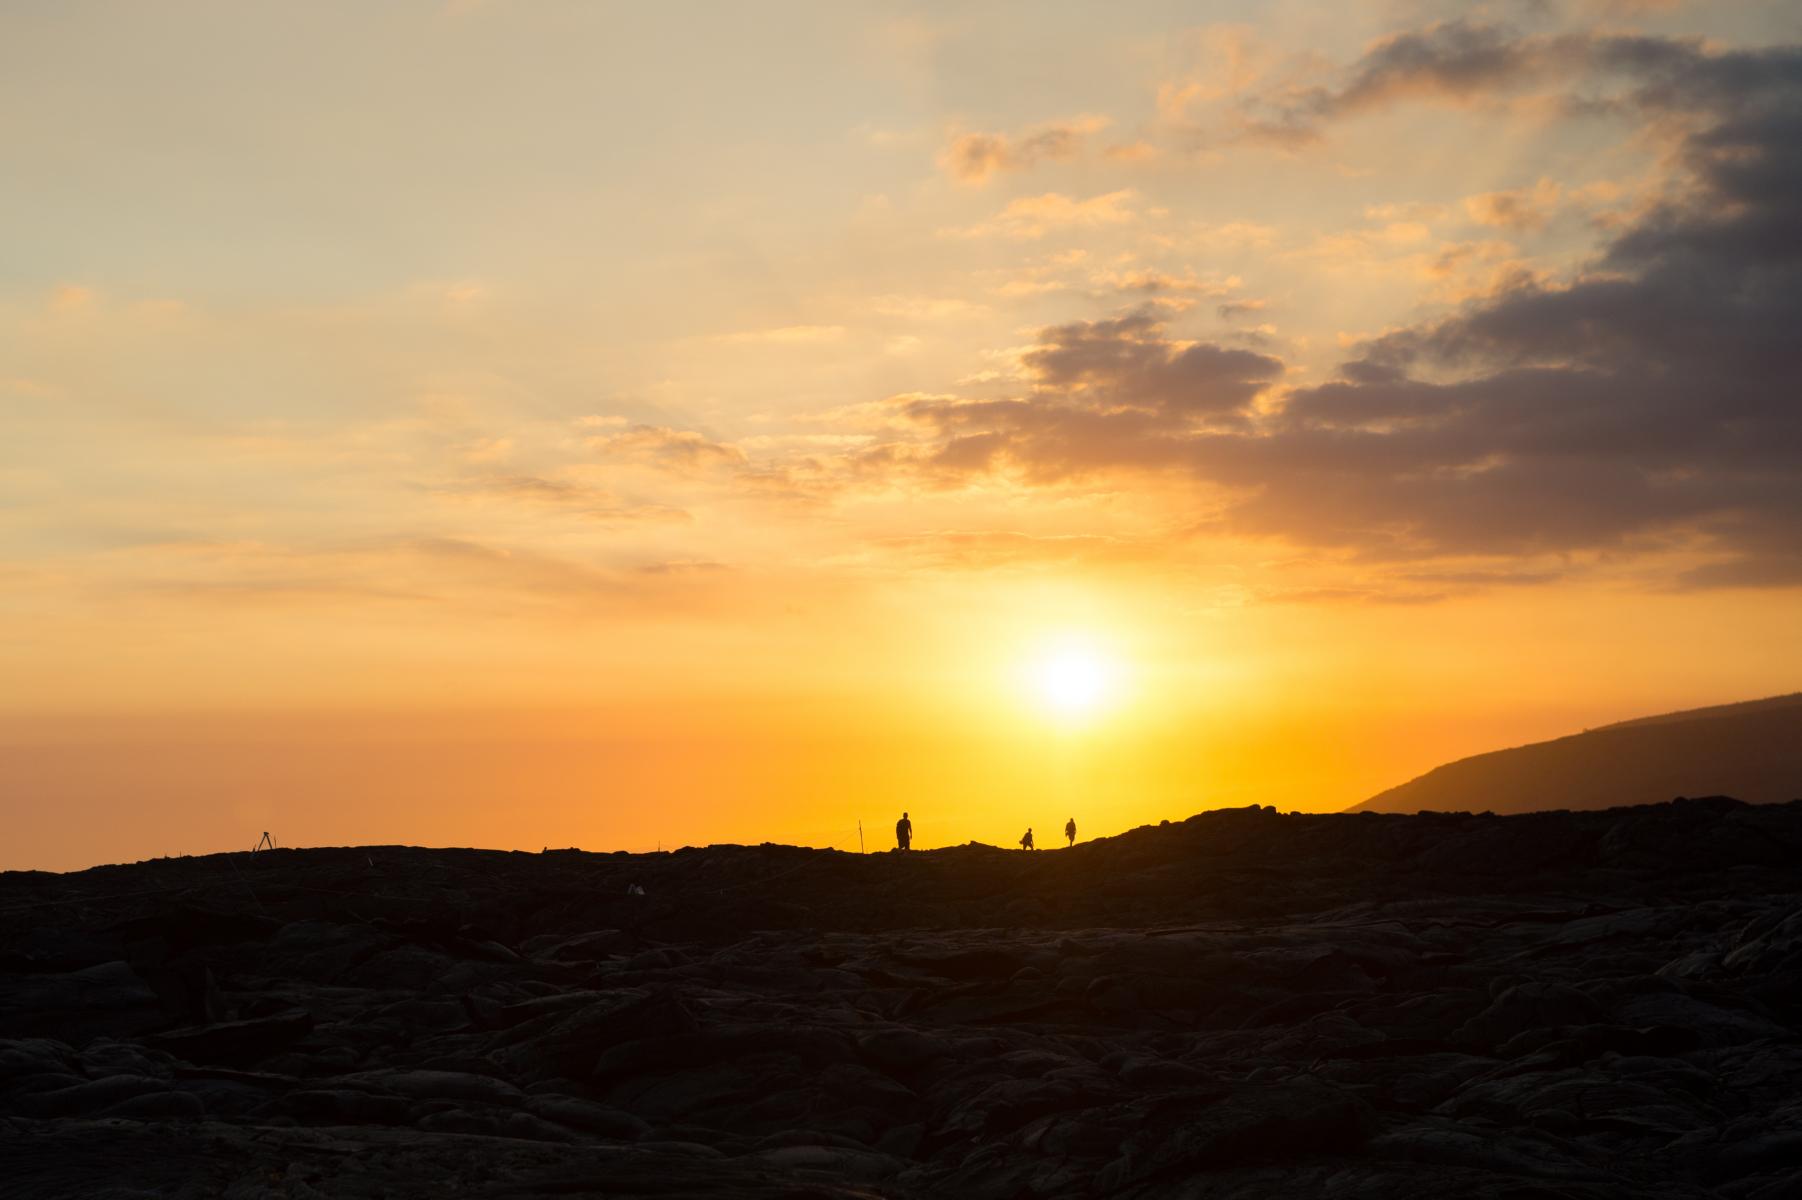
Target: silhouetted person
1070,830
904,833
1026,841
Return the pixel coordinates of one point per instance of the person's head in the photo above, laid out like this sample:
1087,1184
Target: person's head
904,816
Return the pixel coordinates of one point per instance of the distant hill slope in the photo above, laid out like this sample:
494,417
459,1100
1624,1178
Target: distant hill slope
1751,750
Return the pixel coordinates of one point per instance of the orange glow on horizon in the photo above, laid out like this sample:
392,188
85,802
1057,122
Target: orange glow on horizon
730,437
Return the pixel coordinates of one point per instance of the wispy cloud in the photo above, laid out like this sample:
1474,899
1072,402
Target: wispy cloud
1036,216
682,450
784,335
973,158
592,503
1523,210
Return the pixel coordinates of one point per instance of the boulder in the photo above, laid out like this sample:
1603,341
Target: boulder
107,1000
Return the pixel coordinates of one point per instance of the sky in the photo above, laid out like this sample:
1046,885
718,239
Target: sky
529,424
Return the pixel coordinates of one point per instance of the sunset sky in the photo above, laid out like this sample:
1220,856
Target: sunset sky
511,423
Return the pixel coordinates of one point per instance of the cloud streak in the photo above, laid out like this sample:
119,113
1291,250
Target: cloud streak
683,451
973,158
1032,217
559,494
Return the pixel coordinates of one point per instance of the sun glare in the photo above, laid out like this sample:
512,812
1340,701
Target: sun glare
1074,680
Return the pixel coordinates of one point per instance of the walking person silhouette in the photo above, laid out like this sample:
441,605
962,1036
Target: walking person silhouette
1026,841
1070,830
904,833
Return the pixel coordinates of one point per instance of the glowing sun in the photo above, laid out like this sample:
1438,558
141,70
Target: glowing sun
1074,680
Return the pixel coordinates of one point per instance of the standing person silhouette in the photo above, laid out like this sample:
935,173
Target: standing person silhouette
1026,841
904,833
1070,830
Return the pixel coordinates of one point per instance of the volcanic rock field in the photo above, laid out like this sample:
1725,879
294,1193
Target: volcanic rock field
1242,1004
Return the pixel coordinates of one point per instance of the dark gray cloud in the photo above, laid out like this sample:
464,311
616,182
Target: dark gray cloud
1103,394
1462,61
1130,362
1655,401
1452,60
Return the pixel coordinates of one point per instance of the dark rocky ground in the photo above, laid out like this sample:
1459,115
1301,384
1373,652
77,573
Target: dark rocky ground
1242,1004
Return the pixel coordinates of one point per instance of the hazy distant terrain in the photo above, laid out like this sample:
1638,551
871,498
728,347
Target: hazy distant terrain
1752,751
1240,1005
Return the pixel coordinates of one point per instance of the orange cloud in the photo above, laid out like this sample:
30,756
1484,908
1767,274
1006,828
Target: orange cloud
1524,210
680,450
974,157
1035,216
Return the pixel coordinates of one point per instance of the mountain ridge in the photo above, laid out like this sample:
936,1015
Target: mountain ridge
1750,749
